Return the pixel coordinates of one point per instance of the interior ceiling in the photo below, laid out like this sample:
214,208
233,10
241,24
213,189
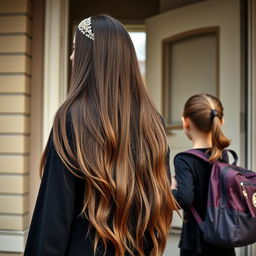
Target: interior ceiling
173,4
133,11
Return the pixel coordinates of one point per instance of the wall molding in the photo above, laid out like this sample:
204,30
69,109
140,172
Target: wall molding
13,241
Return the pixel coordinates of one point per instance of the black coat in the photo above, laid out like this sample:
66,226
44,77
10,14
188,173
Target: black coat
57,229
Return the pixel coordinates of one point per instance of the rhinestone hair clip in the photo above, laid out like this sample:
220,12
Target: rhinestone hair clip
85,27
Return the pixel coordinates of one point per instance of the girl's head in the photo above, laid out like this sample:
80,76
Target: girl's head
103,54
118,144
206,113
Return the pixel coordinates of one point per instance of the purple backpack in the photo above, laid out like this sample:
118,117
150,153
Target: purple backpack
231,205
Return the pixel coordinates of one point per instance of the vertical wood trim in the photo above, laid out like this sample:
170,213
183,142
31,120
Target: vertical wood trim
253,81
36,100
251,96
55,66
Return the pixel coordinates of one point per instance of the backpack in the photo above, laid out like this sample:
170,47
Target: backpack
231,204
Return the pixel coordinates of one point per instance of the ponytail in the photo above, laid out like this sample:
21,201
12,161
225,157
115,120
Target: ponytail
219,140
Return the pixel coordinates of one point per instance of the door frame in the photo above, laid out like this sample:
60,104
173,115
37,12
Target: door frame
175,38
55,61
251,94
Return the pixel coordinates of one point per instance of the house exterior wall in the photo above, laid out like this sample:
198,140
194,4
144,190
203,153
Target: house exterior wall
15,97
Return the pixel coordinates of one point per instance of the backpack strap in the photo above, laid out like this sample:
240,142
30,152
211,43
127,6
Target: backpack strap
196,215
199,154
195,152
204,157
234,155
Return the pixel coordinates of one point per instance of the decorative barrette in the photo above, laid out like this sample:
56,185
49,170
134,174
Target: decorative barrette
85,27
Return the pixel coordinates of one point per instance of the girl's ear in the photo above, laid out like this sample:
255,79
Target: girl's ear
222,121
185,122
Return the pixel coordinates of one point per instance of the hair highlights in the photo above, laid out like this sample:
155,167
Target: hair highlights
119,143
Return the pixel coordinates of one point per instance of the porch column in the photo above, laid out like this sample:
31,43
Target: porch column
15,97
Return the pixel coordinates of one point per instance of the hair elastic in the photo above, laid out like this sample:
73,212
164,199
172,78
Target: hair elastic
214,113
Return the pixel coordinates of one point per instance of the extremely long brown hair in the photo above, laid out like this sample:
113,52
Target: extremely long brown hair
118,143
206,113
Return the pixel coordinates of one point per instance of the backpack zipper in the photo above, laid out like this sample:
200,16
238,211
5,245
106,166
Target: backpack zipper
243,184
248,184
243,189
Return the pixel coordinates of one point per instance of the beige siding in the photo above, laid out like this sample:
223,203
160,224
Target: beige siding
15,80
14,164
15,24
15,44
14,84
15,6
14,184
14,124
13,222
13,204
14,104
14,64
14,144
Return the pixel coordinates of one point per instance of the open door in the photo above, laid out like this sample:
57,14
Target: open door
195,49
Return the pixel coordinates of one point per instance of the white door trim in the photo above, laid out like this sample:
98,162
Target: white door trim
252,82
55,60
13,241
251,106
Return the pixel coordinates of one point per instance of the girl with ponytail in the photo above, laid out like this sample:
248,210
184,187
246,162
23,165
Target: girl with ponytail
202,120
105,186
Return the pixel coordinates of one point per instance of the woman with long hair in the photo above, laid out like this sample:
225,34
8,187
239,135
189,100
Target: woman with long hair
105,170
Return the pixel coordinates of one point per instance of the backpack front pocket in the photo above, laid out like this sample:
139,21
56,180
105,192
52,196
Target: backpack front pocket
249,193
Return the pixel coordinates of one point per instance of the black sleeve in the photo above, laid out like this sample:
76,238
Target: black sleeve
54,210
184,194
167,163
